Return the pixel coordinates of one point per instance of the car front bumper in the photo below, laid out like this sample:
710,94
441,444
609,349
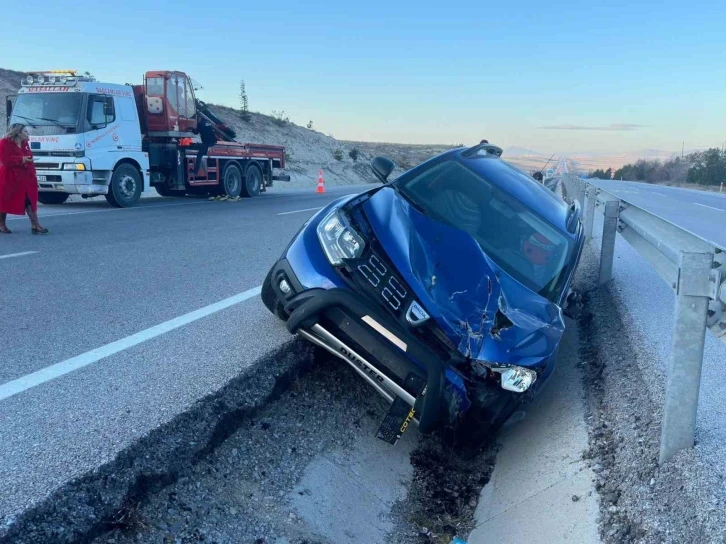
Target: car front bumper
350,327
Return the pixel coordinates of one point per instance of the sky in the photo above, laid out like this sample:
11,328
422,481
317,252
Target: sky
559,76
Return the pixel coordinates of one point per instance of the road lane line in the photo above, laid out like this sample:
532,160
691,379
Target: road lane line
719,209
49,215
11,255
299,211
80,361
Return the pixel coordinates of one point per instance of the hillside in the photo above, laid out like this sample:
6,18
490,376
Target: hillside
308,151
9,84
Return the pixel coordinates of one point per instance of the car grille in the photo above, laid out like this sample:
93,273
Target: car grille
380,281
47,166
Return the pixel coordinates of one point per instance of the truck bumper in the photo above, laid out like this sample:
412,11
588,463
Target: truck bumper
79,183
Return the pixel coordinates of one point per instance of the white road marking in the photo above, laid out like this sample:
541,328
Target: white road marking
703,205
299,211
74,363
48,215
11,255
657,193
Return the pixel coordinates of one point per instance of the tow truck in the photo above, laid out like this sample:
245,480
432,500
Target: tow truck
92,138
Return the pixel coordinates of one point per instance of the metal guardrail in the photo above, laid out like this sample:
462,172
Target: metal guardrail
693,268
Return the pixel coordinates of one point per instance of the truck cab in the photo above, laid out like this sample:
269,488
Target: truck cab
85,137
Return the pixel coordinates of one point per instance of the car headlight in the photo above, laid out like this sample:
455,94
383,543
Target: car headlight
338,239
74,166
514,378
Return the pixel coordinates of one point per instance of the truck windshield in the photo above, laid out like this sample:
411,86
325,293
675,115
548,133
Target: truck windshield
520,242
48,113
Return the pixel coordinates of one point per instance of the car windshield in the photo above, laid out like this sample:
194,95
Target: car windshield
516,239
48,113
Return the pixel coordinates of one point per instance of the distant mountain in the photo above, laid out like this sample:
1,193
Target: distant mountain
521,152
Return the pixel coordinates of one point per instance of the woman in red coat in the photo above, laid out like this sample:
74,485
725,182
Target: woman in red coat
18,182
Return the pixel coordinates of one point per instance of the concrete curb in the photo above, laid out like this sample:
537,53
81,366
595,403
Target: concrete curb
541,490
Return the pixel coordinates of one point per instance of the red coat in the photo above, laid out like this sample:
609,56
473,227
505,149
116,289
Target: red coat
17,180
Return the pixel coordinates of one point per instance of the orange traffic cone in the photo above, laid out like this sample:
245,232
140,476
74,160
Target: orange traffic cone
321,183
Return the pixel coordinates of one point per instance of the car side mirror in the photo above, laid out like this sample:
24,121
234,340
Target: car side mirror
382,168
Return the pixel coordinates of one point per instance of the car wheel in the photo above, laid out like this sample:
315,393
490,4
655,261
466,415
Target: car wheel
232,182
253,181
480,424
52,198
270,300
125,188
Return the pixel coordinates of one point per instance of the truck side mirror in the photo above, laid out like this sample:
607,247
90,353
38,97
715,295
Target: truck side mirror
382,168
9,102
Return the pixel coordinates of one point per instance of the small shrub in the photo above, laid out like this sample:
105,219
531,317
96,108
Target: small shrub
280,118
288,156
310,125
338,154
353,154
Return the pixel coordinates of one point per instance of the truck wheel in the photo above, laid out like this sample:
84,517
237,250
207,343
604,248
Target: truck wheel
270,300
253,181
52,198
125,188
232,181
163,190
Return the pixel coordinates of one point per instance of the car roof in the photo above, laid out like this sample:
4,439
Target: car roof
518,184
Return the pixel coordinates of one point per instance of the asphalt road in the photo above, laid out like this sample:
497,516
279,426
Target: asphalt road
699,212
109,295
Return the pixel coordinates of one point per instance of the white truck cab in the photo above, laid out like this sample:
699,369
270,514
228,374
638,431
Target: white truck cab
85,137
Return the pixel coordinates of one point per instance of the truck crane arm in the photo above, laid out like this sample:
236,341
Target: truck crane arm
222,131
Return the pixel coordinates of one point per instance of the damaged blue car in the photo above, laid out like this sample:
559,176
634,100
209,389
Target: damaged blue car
444,289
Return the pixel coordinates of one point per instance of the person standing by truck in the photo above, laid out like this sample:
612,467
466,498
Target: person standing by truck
18,182
206,133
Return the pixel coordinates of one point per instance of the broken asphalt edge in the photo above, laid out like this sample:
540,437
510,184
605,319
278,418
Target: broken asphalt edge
87,506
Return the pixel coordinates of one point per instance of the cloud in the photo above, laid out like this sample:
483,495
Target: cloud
614,126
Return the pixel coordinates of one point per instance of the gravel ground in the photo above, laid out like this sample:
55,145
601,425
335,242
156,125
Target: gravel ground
641,502
308,469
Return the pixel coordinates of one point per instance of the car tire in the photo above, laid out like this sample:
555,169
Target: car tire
478,428
52,198
125,188
232,181
252,182
270,300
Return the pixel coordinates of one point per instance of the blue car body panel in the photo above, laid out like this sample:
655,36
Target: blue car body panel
462,294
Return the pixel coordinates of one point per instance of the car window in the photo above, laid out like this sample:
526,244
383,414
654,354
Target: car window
519,241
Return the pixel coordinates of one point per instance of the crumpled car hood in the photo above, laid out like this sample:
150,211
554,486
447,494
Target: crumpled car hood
487,314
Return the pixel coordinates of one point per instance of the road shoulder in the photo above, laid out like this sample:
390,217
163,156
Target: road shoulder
541,489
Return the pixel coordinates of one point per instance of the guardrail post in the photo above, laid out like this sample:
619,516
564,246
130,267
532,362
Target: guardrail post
581,193
684,369
609,231
590,210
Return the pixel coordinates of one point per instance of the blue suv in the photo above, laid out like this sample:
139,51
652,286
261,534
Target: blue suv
444,289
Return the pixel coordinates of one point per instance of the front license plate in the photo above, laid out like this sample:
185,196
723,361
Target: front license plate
397,420
42,178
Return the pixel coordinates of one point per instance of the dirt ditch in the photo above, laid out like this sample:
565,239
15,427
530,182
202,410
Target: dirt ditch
308,469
